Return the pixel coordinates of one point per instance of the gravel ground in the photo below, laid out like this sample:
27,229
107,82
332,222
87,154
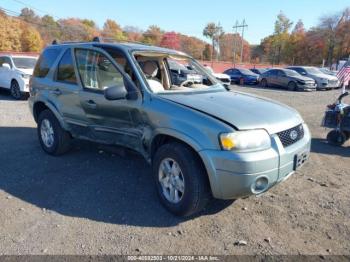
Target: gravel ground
98,200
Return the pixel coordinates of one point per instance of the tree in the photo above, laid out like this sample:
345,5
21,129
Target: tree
113,31
214,32
30,16
192,46
153,35
281,35
133,33
30,39
170,40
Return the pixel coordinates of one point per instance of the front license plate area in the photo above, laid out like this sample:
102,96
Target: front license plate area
300,159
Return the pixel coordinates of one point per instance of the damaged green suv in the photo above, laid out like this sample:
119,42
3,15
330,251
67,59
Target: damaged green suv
201,140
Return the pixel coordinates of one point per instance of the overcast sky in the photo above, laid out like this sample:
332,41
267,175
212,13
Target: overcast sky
188,17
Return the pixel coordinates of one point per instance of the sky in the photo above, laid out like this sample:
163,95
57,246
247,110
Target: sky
188,17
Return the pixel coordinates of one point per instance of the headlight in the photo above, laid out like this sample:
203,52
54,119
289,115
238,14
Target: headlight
25,76
251,140
302,82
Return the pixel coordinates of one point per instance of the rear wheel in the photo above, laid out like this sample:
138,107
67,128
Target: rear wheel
15,90
53,138
292,86
181,180
241,81
336,138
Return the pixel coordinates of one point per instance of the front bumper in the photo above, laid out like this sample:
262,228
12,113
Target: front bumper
234,175
307,87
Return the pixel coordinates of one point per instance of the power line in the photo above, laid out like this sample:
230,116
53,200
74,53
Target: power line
34,8
236,27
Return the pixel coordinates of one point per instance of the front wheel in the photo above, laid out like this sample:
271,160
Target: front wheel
336,138
15,90
53,138
263,83
181,180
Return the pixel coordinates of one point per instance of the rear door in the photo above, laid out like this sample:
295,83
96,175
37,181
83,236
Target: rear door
272,77
111,122
65,91
282,79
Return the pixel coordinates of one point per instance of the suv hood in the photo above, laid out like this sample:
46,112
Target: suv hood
25,71
241,110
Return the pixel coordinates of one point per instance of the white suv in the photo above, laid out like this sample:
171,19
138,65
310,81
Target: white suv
15,72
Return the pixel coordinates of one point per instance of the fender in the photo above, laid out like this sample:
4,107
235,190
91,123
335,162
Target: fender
53,109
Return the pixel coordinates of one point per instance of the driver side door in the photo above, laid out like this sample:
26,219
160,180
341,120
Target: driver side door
111,122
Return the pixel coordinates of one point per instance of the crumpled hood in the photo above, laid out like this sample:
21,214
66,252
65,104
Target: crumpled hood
25,71
241,110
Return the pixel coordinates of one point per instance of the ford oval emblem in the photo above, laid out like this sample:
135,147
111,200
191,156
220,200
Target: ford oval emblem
293,135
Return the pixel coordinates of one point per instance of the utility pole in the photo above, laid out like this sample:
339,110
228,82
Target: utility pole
243,26
235,31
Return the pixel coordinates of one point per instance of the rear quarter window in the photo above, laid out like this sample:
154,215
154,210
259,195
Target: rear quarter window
45,62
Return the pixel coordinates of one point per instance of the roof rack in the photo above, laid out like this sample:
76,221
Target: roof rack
99,39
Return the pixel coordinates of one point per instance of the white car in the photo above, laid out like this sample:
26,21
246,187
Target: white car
226,79
323,81
15,72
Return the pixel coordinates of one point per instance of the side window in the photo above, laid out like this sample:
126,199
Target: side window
65,70
45,62
96,70
273,73
7,60
281,73
1,61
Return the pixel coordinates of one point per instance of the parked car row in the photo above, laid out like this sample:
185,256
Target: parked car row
293,77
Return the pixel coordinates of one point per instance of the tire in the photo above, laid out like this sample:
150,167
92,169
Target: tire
191,182
263,83
292,86
241,81
336,138
15,90
53,138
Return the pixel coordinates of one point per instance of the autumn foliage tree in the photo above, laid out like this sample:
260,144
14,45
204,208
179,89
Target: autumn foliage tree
170,40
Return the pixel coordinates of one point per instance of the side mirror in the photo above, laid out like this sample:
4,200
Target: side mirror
6,65
115,92
125,90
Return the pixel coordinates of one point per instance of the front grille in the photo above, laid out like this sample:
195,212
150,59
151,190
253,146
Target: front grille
291,136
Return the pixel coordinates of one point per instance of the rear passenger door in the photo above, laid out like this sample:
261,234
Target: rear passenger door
112,122
65,89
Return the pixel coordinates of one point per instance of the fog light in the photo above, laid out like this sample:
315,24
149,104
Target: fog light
260,185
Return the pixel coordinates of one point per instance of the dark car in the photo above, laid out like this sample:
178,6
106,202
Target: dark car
286,78
242,76
258,71
180,73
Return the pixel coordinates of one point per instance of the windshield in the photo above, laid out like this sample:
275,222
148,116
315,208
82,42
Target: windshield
290,72
162,74
312,70
246,71
24,62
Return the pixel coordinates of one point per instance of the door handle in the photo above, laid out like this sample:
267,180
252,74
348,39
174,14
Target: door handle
56,92
91,103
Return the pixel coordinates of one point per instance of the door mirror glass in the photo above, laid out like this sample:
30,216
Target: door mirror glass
6,65
115,92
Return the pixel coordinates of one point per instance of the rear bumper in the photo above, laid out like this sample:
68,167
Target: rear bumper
235,175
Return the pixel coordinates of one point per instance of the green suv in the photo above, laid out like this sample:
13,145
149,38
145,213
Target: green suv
201,140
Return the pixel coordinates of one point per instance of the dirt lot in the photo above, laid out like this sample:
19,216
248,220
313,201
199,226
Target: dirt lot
99,201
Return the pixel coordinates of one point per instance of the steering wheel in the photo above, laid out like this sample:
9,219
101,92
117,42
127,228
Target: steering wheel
187,83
